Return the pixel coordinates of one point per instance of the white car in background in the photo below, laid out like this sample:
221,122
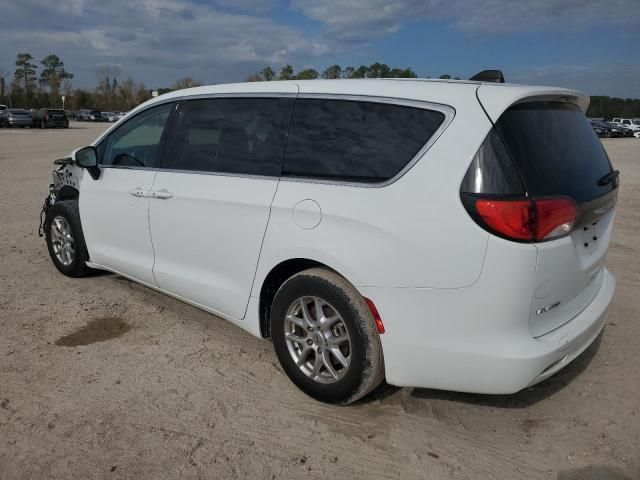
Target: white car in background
110,116
417,230
628,123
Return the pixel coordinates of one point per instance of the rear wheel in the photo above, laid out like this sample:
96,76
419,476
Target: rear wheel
65,240
325,337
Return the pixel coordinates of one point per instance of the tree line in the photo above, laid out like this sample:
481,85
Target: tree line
375,70
611,107
30,88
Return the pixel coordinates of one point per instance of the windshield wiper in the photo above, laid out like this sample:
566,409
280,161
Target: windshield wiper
608,178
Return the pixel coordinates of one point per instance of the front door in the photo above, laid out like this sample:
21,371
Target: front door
213,197
114,209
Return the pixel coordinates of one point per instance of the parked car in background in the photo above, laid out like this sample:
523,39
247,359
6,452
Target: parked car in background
110,116
387,240
616,130
3,107
629,132
602,130
16,117
96,116
122,114
627,122
624,130
50,118
82,115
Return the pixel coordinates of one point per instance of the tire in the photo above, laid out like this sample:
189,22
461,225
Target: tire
67,210
365,366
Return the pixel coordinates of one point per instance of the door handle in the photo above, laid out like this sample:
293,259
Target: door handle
163,194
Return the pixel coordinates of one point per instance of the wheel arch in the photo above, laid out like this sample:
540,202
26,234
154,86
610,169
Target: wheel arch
68,192
274,280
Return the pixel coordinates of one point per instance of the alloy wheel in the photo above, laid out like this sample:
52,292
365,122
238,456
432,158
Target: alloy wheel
317,339
62,240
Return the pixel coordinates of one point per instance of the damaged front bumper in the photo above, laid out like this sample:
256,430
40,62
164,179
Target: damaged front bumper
66,176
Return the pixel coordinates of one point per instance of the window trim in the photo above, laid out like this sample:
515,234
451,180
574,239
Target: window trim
448,111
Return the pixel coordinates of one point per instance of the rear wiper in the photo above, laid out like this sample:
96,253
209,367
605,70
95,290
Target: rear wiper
608,178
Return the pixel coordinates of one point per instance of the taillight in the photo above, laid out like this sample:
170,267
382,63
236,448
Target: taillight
528,220
511,218
555,217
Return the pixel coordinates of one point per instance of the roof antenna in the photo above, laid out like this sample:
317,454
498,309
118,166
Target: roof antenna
489,76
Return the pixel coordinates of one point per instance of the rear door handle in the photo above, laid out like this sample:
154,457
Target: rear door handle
163,194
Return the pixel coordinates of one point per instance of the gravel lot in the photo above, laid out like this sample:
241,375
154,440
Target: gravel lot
175,392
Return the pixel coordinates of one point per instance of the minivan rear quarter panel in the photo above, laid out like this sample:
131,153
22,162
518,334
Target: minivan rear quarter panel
374,235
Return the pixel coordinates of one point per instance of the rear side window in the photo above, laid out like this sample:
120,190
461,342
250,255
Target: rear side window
354,140
230,135
492,171
555,150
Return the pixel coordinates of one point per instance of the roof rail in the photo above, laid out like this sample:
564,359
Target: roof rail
489,76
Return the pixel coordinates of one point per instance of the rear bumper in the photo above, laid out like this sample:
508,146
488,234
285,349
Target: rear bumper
56,123
470,351
20,123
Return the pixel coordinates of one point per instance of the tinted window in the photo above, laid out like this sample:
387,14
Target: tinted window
352,140
230,135
555,150
492,171
136,143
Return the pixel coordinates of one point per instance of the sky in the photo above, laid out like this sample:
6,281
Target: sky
589,45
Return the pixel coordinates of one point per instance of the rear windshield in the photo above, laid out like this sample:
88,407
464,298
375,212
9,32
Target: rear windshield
555,150
56,112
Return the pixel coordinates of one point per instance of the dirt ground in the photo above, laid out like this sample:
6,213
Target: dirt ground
103,378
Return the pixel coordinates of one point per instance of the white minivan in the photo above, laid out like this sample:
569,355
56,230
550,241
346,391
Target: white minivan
440,234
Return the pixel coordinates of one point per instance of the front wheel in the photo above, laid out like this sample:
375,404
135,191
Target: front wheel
325,337
65,240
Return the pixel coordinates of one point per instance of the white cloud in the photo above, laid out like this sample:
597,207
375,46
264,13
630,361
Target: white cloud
158,41
171,38
373,18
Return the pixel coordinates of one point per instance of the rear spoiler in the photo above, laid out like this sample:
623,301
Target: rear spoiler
489,76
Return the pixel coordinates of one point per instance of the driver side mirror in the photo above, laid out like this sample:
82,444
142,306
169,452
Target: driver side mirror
87,158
